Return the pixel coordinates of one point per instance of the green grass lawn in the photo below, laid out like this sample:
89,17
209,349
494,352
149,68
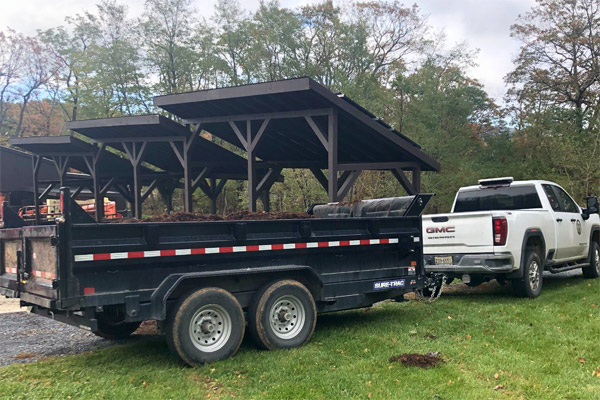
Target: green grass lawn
494,346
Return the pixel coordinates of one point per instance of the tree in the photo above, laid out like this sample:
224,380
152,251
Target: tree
11,64
555,89
559,61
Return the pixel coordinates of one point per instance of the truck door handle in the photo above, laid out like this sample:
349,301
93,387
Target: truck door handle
558,219
573,220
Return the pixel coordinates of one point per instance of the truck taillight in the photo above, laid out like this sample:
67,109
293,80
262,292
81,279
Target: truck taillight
500,230
62,202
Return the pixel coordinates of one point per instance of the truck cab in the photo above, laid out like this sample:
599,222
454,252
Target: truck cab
512,231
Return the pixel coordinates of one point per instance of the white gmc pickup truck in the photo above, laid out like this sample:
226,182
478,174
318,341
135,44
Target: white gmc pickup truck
513,230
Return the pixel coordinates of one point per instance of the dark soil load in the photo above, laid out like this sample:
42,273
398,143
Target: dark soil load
247,215
428,360
236,216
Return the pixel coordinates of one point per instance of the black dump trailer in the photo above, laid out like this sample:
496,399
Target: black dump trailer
205,281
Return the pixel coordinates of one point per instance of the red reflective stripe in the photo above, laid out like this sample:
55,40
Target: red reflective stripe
226,249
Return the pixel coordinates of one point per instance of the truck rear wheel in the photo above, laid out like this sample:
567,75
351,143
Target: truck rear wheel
593,270
531,283
282,315
206,326
111,325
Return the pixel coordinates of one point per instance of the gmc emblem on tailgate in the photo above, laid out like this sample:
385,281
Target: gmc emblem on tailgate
442,229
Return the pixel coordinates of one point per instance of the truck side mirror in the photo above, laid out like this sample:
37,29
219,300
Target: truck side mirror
592,206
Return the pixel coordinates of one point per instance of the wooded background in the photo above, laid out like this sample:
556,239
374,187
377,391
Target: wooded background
383,55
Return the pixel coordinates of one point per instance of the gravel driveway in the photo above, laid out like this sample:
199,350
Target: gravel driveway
28,337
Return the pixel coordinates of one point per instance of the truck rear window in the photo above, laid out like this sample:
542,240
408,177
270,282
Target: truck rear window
500,198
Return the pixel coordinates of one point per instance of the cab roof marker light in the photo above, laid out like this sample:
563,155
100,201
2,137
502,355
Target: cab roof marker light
495,182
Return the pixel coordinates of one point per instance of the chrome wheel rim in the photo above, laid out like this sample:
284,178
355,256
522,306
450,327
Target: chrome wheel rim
210,328
287,317
534,276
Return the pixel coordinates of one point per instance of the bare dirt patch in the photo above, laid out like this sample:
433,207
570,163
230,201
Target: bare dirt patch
428,360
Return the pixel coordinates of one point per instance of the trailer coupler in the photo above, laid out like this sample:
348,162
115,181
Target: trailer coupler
433,285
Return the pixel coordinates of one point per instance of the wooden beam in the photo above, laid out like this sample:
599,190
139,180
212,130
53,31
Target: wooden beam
254,117
317,131
259,134
239,135
376,166
347,184
320,177
406,184
149,189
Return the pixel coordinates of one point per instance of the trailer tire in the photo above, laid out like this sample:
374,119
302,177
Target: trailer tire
282,315
593,270
533,271
112,330
205,326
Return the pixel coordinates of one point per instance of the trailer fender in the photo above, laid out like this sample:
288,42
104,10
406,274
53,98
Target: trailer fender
172,282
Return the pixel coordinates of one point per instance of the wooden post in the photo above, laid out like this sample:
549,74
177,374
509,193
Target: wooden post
251,168
332,156
37,161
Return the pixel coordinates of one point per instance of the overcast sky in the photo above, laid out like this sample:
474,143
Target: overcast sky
483,24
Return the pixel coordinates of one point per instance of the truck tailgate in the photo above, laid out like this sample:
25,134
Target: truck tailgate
458,233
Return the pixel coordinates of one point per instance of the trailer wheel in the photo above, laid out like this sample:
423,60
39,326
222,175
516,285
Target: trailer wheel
282,315
111,328
206,326
533,271
593,270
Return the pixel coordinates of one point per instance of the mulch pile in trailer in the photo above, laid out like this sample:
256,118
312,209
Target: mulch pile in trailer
236,216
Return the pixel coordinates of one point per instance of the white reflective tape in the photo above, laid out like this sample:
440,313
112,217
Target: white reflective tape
37,273
234,249
118,256
417,240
